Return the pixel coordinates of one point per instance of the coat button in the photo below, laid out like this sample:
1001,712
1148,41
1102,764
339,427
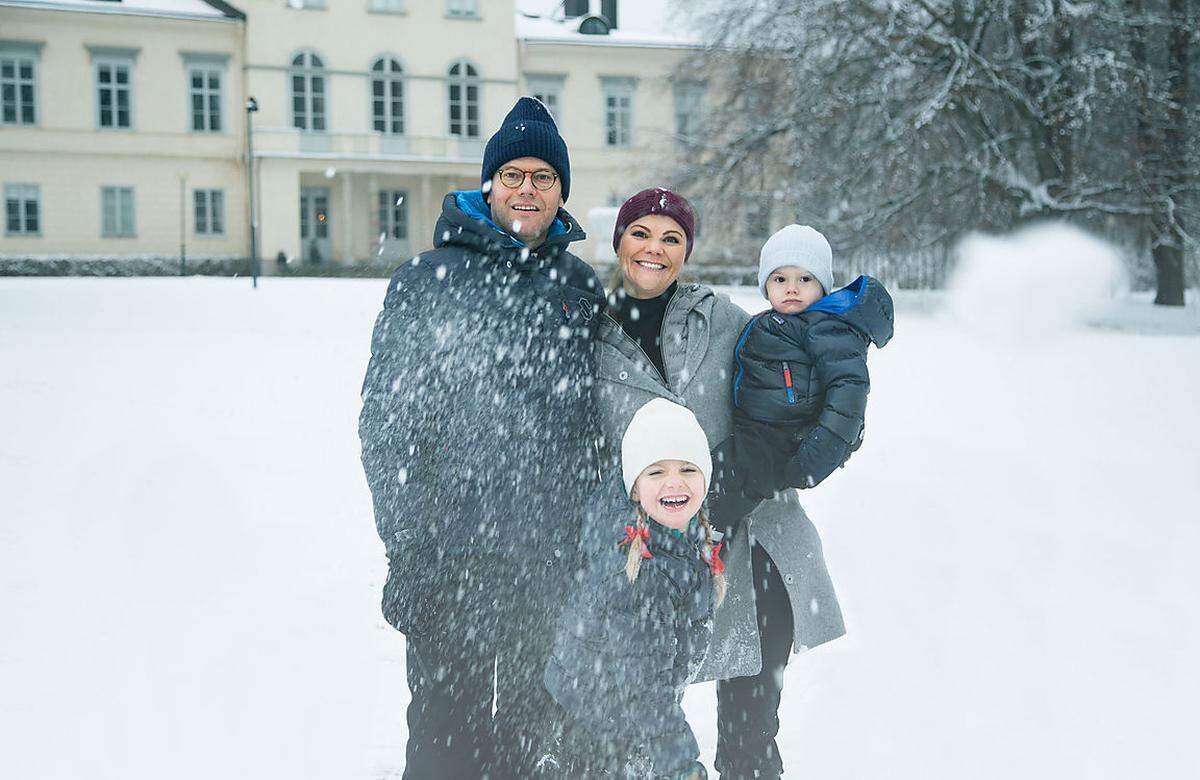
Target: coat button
549,561
789,579
623,375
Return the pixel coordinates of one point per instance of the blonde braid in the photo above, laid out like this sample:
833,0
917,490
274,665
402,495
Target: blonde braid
718,579
633,559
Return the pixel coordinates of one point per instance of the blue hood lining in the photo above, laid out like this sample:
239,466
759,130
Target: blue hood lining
472,204
843,300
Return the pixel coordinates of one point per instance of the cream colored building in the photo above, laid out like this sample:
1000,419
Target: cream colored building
101,152
368,112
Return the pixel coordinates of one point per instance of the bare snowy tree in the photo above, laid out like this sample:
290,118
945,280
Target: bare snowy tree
899,125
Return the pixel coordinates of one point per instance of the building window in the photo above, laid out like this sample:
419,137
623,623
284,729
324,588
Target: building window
387,6
463,95
116,213
18,84
204,85
393,214
593,25
114,91
210,212
547,89
608,9
308,92
387,96
22,210
689,97
618,111
573,8
758,216
300,4
462,8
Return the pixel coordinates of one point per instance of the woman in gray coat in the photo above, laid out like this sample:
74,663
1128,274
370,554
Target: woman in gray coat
676,341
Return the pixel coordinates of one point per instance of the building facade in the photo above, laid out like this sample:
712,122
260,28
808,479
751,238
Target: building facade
125,131
120,133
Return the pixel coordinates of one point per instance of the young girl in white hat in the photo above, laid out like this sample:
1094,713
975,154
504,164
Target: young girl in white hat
637,624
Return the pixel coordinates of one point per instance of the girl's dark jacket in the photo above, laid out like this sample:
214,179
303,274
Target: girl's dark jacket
477,429
624,652
804,376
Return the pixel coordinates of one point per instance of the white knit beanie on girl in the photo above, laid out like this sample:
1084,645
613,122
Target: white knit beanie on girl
797,245
662,430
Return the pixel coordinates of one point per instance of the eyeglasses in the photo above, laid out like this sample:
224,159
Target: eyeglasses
515,177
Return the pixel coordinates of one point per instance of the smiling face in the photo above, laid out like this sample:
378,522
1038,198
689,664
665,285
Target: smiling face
651,254
525,211
792,289
670,491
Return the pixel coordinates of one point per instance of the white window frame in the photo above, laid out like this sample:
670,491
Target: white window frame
618,111
548,88
15,54
23,195
208,212
206,65
124,222
113,58
312,75
305,5
462,9
392,78
689,110
466,79
392,218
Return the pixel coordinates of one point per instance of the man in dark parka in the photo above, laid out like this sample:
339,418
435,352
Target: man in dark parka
478,441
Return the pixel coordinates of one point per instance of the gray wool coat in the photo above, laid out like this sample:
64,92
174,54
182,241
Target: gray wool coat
700,330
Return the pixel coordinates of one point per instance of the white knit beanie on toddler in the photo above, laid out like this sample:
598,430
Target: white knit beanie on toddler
797,245
662,430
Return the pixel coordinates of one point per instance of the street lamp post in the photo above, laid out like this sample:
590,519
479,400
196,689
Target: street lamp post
251,108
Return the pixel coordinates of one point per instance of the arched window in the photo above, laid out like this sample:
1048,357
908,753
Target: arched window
463,93
308,92
593,25
387,96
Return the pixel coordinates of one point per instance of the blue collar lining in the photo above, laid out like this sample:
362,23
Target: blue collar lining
843,300
474,206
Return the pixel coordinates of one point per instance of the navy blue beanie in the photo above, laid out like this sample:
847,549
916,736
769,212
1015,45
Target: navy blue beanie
528,131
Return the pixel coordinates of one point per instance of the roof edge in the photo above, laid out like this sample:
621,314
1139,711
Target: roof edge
226,9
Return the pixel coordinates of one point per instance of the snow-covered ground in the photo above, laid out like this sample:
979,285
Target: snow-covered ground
189,573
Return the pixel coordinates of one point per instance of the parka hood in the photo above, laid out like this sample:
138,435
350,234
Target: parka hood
865,304
466,221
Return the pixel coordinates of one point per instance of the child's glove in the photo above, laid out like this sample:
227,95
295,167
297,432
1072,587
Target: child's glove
819,453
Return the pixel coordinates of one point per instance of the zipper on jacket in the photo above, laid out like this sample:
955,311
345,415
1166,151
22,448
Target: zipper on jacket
787,382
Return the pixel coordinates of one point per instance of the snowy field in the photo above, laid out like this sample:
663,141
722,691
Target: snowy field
189,572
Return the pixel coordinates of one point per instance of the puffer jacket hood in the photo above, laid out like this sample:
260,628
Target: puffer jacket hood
865,304
466,221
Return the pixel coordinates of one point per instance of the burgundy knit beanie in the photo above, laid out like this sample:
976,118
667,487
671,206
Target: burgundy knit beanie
657,200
